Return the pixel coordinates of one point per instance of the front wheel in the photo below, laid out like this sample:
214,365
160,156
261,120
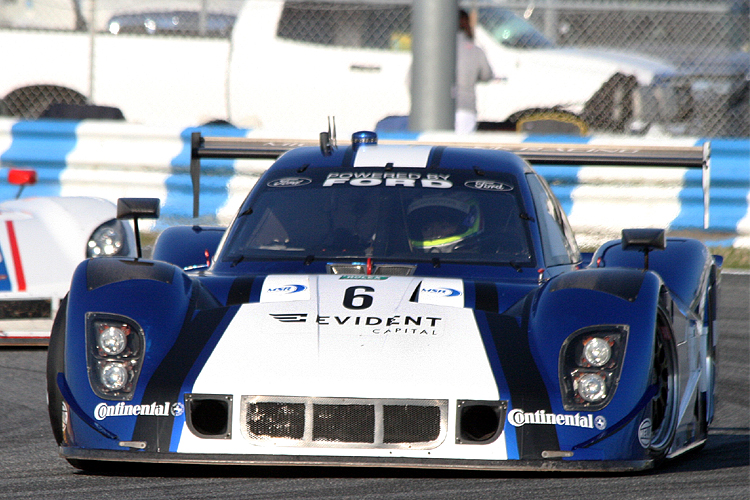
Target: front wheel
663,408
55,365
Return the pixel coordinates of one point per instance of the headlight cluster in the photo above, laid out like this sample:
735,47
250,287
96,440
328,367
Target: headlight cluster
590,366
107,240
115,346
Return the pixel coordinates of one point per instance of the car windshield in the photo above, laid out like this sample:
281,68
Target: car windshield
396,215
510,30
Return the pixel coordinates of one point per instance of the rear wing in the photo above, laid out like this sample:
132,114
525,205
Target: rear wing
693,157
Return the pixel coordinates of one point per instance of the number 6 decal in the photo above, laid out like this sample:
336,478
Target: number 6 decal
353,300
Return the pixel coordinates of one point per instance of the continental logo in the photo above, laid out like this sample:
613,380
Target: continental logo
519,418
166,409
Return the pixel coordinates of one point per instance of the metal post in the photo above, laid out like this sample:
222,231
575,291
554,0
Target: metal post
433,72
92,45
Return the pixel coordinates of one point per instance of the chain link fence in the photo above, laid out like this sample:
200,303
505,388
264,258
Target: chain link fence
701,50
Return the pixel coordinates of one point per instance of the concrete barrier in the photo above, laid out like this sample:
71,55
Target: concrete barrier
116,159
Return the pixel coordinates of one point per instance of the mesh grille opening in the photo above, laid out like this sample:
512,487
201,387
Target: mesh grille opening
275,420
410,424
344,422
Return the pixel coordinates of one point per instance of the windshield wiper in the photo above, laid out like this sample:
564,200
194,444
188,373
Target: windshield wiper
309,260
237,260
515,266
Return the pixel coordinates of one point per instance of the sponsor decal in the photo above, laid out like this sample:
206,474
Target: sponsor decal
411,325
291,318
644,433
289,182
488,185
287,289
166,409
441,291
389,179
362,277
519,418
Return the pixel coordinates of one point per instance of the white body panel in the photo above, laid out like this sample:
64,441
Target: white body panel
315,347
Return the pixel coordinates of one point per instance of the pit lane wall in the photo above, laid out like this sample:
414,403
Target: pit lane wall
116,159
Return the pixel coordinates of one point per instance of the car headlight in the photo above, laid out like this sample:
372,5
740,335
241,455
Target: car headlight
590,366
108,240
115,347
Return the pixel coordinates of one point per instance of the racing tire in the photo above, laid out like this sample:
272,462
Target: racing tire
708,397
611,108
663,409
29,103
55,365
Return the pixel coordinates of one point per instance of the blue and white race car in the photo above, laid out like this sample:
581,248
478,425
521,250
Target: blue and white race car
402,305
42,240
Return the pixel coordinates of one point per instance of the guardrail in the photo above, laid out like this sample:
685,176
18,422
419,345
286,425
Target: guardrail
116,159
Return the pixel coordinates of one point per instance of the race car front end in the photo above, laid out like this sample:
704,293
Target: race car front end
343,370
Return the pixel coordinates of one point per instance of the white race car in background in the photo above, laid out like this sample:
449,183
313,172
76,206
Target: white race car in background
42,240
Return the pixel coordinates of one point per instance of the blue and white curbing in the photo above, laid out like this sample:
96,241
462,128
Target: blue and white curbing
115,159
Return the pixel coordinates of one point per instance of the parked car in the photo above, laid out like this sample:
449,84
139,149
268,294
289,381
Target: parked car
390,305
42,240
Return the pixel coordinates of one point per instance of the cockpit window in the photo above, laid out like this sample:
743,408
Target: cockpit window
396,215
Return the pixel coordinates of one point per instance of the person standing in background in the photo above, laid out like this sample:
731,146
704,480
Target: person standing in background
472,67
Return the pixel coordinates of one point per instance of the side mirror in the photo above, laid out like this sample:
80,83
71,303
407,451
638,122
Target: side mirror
138,208
644,240
22,178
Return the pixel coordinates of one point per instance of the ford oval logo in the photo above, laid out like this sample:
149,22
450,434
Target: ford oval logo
287,289
289,182
443,292
487,185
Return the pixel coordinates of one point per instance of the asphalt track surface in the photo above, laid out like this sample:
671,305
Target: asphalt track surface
30,467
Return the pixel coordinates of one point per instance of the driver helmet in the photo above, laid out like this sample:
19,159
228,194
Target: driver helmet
441,223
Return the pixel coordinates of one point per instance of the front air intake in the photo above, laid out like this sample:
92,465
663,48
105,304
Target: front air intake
209,416
344,422
479,422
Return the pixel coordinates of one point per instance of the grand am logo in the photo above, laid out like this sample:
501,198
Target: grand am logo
289,182
488,185
166,409
286,289
441,291
519,418
389,179
411,325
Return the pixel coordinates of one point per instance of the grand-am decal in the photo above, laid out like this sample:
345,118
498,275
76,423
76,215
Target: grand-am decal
166,409
488,185
411,325
287,289
519,418
406,179
441,291
281,288
289,182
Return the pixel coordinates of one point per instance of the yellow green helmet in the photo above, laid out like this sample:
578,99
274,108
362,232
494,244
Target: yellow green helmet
440,223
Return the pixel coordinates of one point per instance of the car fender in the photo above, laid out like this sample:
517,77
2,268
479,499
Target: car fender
624,298
156,297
